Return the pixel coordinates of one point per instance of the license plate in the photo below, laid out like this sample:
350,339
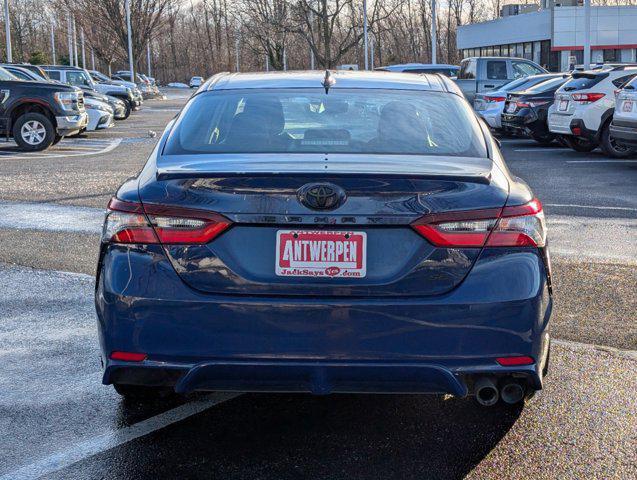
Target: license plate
511,107
563,105
318,253
627,106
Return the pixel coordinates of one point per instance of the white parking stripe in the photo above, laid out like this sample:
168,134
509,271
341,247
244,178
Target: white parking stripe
59,151
106,441
51,217
542,149
601,161
595,207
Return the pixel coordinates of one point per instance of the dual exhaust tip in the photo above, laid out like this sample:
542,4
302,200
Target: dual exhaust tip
488,394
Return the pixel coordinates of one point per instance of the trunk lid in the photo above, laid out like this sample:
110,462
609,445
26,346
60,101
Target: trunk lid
262,197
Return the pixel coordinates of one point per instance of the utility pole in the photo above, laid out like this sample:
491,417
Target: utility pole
75,60
312,36
83,48
7,30
365,48
434,41
372,47
53,55
69,37
236,51
285,60
130,42
148,56
267,63
587,34
92,59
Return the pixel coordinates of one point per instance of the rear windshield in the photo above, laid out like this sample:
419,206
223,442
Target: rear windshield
547,85
583,83
343,121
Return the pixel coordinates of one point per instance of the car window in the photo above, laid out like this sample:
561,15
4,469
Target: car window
583,81
546,85
21,75
81,79
345,121
6,75
467,70
53,74
496,70
524,69
622,81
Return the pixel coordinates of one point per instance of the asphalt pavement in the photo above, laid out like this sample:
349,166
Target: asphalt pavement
58,421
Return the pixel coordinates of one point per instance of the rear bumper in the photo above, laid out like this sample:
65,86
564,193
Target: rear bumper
438,344
625,132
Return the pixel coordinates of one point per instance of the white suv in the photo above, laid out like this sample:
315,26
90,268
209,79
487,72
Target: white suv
623,129
583,109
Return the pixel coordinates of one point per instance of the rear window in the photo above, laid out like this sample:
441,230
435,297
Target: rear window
343,121
579,82
547,85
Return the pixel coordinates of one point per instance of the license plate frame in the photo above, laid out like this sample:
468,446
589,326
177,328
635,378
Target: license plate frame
321,253
627,106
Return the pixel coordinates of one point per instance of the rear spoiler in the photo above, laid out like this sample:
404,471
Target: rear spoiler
461,169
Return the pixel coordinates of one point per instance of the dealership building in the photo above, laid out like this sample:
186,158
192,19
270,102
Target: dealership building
553,34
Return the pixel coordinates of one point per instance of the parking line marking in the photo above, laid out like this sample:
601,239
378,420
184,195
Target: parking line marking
596,207
109,145
542,149
106,441
601,161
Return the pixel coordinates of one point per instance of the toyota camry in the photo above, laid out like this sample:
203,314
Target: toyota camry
325,232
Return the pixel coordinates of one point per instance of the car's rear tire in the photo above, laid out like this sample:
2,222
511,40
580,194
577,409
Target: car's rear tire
580,144
545,140
33,132
142,392
610,147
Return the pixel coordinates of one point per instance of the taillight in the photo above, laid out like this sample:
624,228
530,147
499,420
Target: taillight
128,222
489,99
586,98
518,226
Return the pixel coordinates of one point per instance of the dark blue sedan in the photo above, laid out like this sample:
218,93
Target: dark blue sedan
325,232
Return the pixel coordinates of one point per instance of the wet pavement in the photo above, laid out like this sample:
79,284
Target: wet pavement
58,421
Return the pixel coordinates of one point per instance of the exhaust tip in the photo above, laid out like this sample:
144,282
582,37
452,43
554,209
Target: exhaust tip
512,393
486,392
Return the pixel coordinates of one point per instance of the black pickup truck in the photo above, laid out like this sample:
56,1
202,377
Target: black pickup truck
38,114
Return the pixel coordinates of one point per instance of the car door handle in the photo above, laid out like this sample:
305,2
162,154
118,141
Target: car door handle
489,86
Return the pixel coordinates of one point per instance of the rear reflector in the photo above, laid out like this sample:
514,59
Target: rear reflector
516,226
128,222
128,356
514,361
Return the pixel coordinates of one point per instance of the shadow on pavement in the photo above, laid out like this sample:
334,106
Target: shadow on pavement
299,436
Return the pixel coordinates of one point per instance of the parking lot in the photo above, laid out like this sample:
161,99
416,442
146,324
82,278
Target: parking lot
57,421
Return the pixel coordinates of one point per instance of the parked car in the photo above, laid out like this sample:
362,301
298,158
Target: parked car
490,105
145,86
80,77
36,69
195,82
584,106
99,77
443,68
270,244
525,112
480,74
23,73
100,114
623,128
38,114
